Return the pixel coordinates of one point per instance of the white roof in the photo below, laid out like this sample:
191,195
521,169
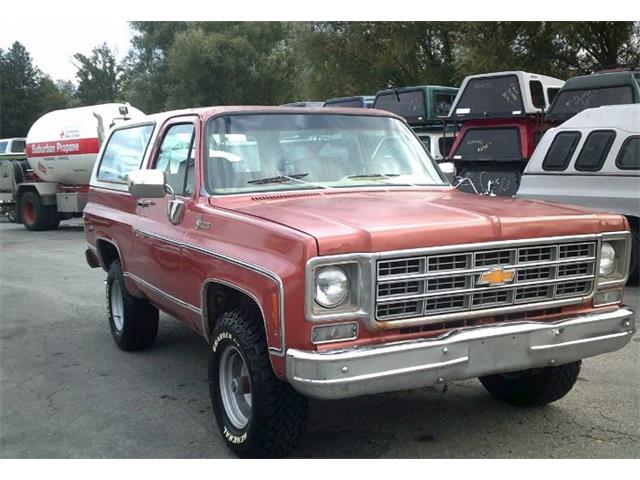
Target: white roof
547,81
621,117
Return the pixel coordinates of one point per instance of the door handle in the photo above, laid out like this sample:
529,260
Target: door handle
144,202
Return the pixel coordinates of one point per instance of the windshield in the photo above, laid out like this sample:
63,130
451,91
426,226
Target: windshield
18,146
409,104
490,96
568,103
276,152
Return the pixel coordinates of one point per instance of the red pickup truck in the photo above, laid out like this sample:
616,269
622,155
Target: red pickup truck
322,253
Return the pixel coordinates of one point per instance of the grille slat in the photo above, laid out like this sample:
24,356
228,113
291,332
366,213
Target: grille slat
448,283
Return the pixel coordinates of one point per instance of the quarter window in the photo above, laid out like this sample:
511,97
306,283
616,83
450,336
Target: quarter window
629,156
595,150
177,158
124,152
537,94
561,150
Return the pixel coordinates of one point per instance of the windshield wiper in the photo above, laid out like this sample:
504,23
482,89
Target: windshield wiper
373,175
384,176
278,179
294,177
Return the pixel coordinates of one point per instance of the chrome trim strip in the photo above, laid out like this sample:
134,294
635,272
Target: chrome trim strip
173,299
385,374
240,263
107,240
578,342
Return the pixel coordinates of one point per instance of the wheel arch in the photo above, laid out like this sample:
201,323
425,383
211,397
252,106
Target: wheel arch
107,251
218,295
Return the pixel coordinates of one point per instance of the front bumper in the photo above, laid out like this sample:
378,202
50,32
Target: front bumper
461,354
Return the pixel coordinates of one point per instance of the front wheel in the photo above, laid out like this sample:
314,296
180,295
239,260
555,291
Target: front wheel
11,214
258,415
531,388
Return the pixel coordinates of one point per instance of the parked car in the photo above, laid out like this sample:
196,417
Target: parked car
592,160
425,108
596,90
502,120
304,104
322,254
358,101
12,148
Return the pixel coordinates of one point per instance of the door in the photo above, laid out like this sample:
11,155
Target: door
160,226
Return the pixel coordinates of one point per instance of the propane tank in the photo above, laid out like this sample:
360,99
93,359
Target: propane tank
63,145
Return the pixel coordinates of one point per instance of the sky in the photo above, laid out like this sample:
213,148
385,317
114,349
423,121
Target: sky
53,44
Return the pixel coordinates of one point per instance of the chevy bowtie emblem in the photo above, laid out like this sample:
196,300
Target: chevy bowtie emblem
496,276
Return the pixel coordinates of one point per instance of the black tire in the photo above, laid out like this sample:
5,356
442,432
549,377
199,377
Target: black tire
138,327
533,388
277,414
11,214
35,215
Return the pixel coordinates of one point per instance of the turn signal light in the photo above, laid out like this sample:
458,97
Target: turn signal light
334,333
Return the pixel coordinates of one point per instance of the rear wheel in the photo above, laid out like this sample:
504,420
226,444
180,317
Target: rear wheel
35,215
133,321
11,214
258,415
535,387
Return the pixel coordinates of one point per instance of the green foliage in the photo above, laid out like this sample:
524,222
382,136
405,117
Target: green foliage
98,76
26,93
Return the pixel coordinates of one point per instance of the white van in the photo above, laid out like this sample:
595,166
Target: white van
591,160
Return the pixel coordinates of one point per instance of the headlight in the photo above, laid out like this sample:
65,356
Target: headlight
332,287
607,259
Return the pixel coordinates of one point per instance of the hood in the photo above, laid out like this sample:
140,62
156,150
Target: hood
397,219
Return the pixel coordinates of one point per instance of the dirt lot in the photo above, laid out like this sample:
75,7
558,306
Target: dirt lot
67,391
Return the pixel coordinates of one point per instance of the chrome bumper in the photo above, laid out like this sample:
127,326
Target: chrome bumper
462,354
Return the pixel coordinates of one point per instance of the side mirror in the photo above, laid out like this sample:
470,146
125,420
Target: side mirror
146,183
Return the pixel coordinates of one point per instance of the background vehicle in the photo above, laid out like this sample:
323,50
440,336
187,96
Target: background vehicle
62,147
11,148
501,117
592,160
322,254
425,108
358,101
590,91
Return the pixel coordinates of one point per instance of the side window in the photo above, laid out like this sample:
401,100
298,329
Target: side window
629,156
537,94
426,142
561,150
595,150
124,153
551,93
177,158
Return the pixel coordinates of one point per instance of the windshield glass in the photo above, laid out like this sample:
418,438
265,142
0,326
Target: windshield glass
490,96
568,103
275,152
409,104
18,146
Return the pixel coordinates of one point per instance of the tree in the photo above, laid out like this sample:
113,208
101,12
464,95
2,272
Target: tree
98,76
19,91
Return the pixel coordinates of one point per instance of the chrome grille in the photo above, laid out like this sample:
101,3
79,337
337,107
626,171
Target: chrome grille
433,285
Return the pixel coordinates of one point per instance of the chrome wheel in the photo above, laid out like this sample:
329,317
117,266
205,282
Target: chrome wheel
235,387
117,305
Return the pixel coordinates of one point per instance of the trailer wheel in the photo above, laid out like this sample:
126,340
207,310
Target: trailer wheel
11,214
35,215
